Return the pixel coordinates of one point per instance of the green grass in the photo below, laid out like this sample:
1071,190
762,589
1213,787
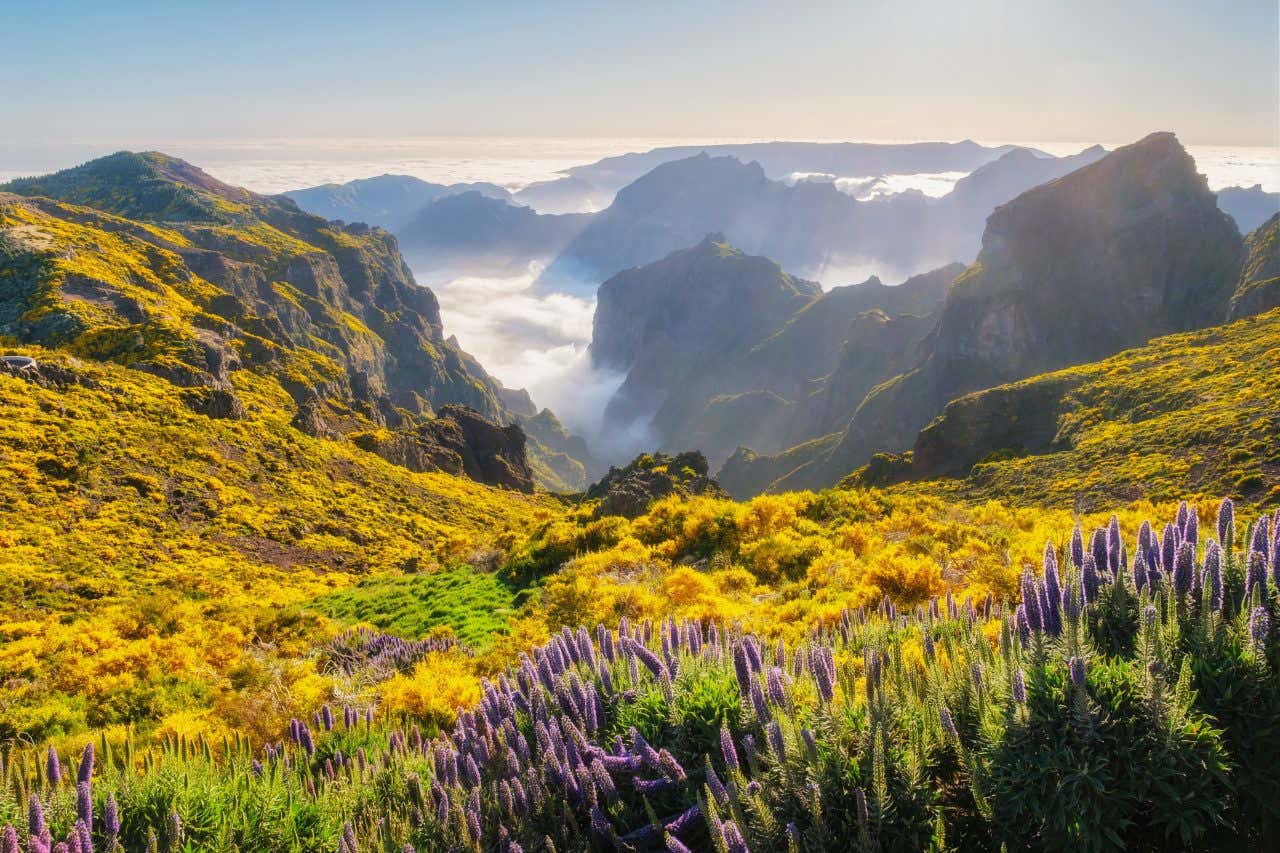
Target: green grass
474,605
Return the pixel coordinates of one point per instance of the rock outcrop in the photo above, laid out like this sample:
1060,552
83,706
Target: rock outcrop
629,491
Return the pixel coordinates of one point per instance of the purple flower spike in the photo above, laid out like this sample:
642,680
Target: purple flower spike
1031,601
1259,628
948,722
84,802
1183,568
1019,687
35,817
728,749
9,840
1077,547
1212,580
1075,667
1226,521
85,771
53,768
1098,548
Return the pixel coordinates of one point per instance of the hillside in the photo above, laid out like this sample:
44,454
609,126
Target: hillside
1193,412
149,550
1259,287
1126,249
206,279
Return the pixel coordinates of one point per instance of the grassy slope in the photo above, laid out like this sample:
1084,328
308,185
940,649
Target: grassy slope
144,548
1188,413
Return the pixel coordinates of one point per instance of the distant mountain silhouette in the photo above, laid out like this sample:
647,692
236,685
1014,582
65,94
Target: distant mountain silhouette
388,201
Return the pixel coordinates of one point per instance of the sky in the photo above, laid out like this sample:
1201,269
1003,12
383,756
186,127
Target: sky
133,74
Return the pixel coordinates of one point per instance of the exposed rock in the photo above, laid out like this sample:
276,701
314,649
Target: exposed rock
1259,287
629,491
459,441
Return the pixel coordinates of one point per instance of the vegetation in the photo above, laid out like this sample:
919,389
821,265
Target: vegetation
1129,702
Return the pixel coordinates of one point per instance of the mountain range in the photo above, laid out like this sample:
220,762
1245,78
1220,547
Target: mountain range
1119,252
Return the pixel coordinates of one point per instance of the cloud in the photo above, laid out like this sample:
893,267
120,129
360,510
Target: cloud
539,342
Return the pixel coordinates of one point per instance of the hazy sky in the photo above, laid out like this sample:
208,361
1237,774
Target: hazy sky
129,73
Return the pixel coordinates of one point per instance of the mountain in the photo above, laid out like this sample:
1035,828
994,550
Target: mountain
669,323
475,234
592,187
387,201
1120,251
1248,206
144,260
1259,286
562,461
1184,412
721,348
810,228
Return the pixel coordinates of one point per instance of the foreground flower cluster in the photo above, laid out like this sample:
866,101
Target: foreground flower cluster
1129,700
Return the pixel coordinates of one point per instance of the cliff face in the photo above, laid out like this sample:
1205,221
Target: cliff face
675,323
1259,287
1120,251
144,260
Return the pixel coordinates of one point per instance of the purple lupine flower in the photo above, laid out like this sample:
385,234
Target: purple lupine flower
1191,532
684,821
929,646
732,837
948,722
758,702
1113,544
1089,583
1181,519
1077,547
175,829
1071,603
1031,601
1259,628
53,769
1020,622
773,734
1260,541
1019,687
84,773
84,802
1098,548
777,691
975,674
1212,580
646,787
667,762
1256,576
84,834
1226,521
727,748
9,840
1168,543
35,817
326,717
860,798
1183,568
1076,669
111,817
810,743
